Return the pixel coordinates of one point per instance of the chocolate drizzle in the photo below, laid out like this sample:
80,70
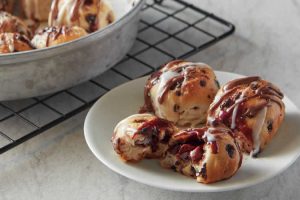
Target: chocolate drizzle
241,81
75,11
54,32
178,72
24,39
234,106
14,42
54,12
151,130
190,143
172,83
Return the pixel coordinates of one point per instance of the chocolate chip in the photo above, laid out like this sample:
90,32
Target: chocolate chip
254,85
202,83
195,107
166,137
139,120
176,108
173,168
178,93
208,96
193,171
226,103
144,130
215,123
230,150
91,19
88,2
179,70
203,171
237,96
270,125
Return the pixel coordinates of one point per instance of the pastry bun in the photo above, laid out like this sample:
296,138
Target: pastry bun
51,36
142,136
181,92
89,14
12,24
252,108
14,42
209,154
36,10
7,5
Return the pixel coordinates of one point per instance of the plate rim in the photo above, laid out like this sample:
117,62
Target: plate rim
200,190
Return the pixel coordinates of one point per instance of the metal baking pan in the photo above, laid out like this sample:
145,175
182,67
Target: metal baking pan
43,71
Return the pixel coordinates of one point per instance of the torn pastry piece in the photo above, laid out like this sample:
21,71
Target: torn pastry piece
142,136
51,36
36,10
181,92
14,42
7,5
252,108
91,15
12,24
209,154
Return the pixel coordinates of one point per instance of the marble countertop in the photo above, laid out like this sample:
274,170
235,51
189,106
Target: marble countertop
58,164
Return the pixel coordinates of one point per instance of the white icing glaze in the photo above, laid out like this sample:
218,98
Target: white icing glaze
127,127
10,43
65,9
256,131
208,135
163,79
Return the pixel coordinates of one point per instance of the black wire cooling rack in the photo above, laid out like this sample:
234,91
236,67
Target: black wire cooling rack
168,30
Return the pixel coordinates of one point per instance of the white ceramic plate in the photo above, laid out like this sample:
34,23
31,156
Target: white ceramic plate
126,99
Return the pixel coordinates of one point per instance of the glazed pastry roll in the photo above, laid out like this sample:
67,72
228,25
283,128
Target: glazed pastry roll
181,92
36,10
88,14
14,42
209,154
142,136
51,36
252,108
7,5
13,24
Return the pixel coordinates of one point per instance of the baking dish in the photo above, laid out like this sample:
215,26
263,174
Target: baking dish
44,71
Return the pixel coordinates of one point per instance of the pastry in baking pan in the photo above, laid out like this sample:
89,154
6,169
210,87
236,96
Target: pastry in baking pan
14,42
51,36
7,5
209,154
12,24
181,92
142,136
88,14
252,108
36,10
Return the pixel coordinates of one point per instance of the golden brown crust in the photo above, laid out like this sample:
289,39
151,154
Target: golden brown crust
36,10
252,108
14,42
7,5
207,154
142,136
181,92
89,14
51,36
13,24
